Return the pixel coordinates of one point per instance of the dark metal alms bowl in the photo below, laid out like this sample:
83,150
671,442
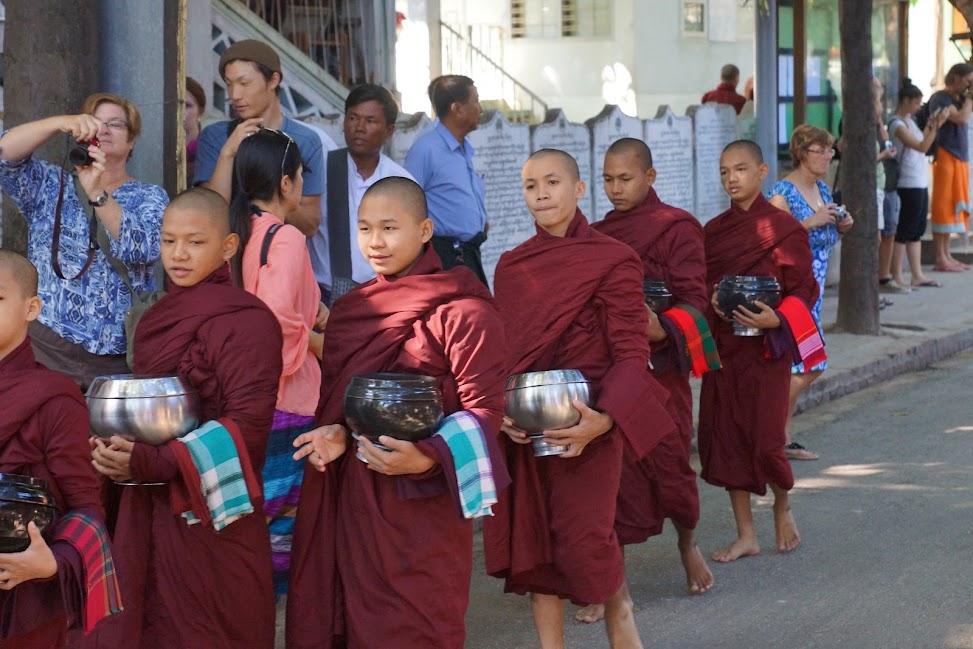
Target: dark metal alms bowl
742,291
657,295
23,499
403,406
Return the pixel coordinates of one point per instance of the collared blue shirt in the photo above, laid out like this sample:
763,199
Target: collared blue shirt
455,193
213,137
89,311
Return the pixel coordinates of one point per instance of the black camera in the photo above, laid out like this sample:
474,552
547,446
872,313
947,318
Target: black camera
79,156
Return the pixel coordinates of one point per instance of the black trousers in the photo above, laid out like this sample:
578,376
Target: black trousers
913,214
454,253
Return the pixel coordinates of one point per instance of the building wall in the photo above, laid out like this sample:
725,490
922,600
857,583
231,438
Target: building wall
646,54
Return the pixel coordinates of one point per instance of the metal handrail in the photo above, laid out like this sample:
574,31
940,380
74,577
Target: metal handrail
535,100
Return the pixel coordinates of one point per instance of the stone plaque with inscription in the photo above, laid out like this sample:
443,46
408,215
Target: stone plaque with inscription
558,133
501,150
609,125
714,126
671,139
407,129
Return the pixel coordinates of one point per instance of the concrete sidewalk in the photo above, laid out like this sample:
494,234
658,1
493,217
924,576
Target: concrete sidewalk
918,329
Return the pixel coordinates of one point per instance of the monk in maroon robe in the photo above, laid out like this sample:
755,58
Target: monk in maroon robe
743,407
571,298
189,585
43,434
390,531
669,242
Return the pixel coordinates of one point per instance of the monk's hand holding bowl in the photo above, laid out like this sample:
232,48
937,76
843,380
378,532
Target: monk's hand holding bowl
716,307
112,459
322,318
593,424
766,318
321,446
403,458
36,562
516,434
655,331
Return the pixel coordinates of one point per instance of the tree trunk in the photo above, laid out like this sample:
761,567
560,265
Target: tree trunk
965,7
50,62
858,289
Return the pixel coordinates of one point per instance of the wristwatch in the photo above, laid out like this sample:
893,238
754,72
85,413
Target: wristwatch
100,200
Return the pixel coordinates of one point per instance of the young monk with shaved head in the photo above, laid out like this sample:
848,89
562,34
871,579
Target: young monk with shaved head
383,550
194,552
571,298
743,407
44,434
669,242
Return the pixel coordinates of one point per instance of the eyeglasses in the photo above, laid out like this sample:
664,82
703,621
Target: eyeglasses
117,125
824,152
290,141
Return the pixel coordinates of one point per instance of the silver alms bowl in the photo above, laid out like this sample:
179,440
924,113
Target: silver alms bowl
148,409
539,401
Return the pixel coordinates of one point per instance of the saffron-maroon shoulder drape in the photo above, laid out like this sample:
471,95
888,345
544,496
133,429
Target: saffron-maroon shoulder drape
743,407
44,434
398,544
574,302
188,585
669,242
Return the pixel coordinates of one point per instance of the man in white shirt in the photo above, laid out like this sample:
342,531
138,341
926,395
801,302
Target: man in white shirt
370,114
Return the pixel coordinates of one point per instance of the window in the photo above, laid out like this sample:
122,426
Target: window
693,18
555,18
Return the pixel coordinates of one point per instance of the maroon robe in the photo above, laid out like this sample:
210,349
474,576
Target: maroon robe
188,585
44,434
743,407
574,302
401,549
669,242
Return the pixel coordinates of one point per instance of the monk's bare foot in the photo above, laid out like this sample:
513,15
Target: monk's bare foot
698,575
590,614
742,547
787,535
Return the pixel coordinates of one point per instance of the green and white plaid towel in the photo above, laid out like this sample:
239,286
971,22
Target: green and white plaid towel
474,471
221,477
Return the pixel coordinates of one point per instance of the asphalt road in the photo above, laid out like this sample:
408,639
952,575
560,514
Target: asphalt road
885,519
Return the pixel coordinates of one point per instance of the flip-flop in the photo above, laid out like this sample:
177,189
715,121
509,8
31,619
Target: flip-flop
795,451
929,283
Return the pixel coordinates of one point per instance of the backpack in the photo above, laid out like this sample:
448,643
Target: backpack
922,118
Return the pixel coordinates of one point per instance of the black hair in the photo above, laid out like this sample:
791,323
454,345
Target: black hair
447,89
371,92
729,72
565,157
634,146
261,162
407,192
908,90
266,72
749,146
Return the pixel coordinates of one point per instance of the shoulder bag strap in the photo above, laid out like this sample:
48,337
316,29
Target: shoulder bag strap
339,232
265,248
56,237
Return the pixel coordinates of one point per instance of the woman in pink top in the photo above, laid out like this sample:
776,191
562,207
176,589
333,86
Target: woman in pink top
272,262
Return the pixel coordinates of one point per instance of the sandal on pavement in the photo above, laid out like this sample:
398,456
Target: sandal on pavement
931,283
795,451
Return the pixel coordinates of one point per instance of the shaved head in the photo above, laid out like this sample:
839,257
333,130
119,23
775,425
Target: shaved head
749,146
21,271
205,201
405,192
570,164
632,146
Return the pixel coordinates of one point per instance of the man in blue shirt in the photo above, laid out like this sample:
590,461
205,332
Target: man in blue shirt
441,161
252,73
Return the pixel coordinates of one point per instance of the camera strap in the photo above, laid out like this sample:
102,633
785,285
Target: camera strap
56,238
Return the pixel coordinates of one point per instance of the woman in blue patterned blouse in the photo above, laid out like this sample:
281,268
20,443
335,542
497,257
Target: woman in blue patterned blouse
81,329
804,194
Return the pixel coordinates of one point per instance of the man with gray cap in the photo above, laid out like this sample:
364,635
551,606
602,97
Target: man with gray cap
252,74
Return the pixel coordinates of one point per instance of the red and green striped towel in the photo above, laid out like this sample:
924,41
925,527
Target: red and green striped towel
89,538
700,346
